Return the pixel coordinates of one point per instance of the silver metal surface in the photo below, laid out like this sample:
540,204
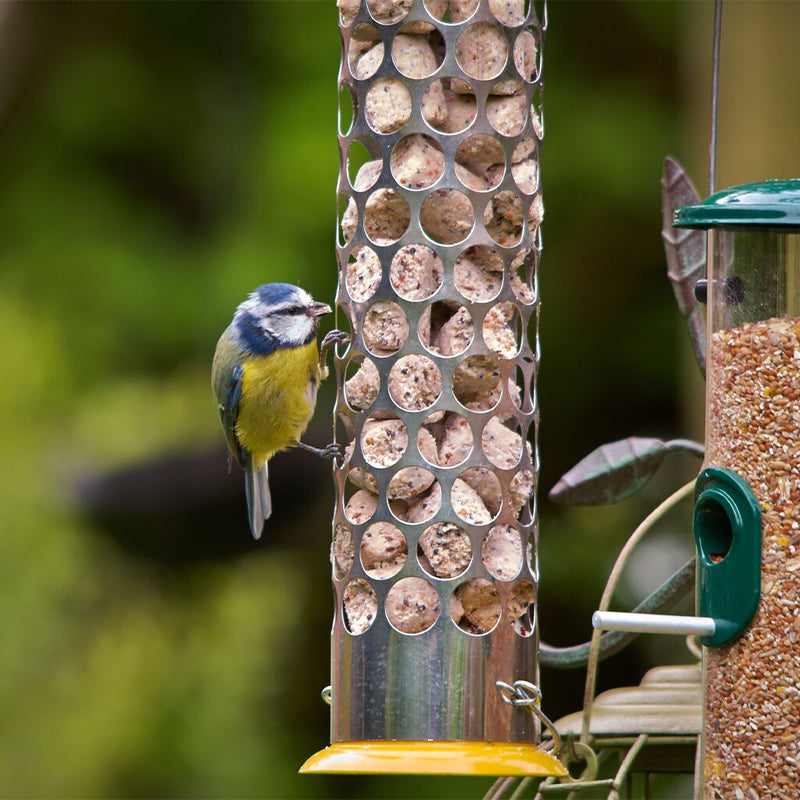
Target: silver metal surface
653,623
438,684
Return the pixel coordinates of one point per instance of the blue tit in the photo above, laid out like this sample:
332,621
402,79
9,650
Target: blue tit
265,376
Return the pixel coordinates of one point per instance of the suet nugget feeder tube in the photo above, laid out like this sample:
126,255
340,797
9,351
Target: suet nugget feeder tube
434,544
747,513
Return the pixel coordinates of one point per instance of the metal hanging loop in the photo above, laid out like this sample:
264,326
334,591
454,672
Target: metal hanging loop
524,694
576,753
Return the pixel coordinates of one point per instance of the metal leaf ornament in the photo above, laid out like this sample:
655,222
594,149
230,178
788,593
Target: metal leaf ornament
615,471
686,253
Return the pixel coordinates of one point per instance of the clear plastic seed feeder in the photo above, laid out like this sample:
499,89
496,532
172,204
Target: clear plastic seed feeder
747,509
434,641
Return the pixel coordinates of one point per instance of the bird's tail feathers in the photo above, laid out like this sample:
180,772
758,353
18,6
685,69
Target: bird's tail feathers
259,502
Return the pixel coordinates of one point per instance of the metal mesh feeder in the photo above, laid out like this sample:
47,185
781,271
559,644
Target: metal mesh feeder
434,643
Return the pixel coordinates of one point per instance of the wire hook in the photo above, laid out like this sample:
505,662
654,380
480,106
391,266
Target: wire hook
524,694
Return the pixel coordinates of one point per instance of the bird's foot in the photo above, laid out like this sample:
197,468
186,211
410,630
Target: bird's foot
331,451
331,339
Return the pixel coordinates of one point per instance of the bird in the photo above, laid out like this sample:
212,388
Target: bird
265,374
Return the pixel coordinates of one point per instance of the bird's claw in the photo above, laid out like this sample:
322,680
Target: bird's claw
331,451
336,337
332,338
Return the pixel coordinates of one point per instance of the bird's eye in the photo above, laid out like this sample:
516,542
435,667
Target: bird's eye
293,310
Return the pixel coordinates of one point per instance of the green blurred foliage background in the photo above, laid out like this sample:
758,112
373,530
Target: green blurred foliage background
157,161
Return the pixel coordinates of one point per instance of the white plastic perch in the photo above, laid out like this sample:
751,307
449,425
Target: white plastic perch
653,623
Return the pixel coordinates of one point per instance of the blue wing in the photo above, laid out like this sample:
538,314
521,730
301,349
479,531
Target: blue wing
229,413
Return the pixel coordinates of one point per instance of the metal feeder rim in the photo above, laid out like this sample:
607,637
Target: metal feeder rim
435,758
765,204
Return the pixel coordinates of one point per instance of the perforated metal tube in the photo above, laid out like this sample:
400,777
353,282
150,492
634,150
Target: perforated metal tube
434,551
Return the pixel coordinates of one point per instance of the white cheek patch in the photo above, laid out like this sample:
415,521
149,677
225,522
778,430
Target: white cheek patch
293,330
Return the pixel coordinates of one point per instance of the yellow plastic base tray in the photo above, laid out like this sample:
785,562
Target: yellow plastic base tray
434,758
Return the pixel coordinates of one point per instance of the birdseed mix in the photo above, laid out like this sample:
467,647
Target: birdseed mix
752,711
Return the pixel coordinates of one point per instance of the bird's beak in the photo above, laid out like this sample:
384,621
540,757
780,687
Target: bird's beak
320,309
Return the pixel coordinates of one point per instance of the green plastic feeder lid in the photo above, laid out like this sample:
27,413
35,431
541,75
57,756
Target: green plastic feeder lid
767,204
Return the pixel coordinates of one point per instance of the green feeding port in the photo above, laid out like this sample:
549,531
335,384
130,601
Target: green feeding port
727,530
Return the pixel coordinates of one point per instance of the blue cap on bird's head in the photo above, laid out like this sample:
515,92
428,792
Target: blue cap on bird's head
275,294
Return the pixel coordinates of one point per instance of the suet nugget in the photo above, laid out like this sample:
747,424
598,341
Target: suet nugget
265,375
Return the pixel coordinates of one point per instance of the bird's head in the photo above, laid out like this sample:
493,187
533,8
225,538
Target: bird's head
277,315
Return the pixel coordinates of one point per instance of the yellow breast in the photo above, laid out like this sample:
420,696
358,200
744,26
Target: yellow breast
279,392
